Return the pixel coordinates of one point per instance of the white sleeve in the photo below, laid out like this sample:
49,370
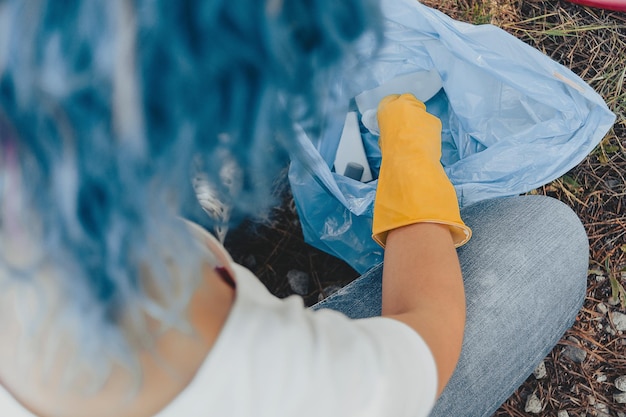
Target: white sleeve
274,358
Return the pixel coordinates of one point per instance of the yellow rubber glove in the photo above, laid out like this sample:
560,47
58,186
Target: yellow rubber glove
412,185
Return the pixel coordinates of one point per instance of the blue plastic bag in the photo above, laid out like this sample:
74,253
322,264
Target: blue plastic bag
512,118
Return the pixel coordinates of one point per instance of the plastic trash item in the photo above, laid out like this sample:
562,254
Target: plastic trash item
350,151
354,171
513,120
422,84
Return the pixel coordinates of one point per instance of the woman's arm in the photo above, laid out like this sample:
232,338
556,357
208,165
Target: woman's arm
422,287
417,218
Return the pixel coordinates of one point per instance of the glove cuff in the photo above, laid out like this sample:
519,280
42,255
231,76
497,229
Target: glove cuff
461,233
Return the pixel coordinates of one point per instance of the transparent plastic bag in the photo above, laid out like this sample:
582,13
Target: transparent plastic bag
513,120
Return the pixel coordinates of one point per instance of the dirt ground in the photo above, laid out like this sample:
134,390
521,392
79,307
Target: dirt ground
592,43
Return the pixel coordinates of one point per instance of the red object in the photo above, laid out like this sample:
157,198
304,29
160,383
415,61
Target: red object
617,5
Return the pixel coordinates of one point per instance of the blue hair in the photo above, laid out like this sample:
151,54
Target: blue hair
105,107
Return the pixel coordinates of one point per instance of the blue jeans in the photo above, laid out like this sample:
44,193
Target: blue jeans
525,274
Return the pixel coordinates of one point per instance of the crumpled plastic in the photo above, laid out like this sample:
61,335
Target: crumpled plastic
513,120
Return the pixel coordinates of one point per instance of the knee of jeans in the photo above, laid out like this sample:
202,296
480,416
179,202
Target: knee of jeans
567,223
532,233
570,241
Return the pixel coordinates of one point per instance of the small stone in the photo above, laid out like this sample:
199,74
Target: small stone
620,397
533,405
613,301
602,308
610,330
298,281
601,378
540,371
575,354
600,278
620,383
619,320
562,413
602,410
620,414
